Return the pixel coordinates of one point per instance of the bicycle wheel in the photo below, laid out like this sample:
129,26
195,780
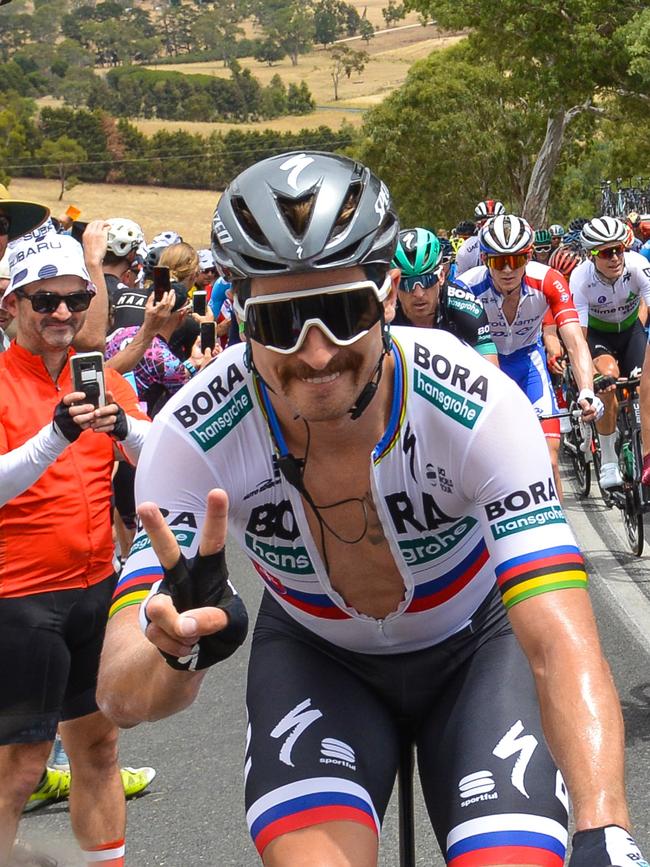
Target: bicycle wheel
581,469
633,524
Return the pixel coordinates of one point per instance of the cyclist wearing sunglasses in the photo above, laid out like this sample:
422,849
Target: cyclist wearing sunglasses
611,290
469,254
384,487
425,300
517,293
542,246
57,453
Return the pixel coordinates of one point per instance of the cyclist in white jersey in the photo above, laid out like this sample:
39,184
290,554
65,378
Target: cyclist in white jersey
610,289
469,254
394,495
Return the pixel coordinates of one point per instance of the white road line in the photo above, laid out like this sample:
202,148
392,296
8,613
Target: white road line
607,572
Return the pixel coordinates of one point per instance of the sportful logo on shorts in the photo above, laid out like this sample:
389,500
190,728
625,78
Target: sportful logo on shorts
528,521
218,425
453,404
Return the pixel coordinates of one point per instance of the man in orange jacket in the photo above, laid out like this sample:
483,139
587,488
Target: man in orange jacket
56,551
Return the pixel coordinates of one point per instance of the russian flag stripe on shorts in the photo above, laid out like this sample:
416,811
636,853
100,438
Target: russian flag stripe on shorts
515,838
306,803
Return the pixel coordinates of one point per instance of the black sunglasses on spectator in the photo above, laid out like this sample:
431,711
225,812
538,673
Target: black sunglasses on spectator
48,302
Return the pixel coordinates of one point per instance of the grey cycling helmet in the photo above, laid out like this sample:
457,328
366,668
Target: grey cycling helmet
601,231
344,217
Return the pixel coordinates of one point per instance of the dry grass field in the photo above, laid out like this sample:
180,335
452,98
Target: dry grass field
188,212
391,53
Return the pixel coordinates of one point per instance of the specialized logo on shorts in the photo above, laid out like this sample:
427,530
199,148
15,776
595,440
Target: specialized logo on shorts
294,724
335,752
515,743
183,537
429,548
477,787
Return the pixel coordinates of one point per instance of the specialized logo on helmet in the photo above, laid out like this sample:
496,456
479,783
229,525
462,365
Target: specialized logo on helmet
383,201
294,165
408,240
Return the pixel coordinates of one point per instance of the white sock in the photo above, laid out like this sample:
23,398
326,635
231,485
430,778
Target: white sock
608,448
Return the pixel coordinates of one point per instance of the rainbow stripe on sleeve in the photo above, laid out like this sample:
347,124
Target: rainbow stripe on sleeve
538,572
133,587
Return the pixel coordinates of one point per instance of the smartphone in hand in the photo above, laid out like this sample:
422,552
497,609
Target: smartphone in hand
161,282
199,302
208,335
87,372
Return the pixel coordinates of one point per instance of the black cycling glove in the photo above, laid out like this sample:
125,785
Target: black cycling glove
121,429
198,583
65,424
610,846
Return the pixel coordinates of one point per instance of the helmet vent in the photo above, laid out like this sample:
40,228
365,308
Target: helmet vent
348,209
297,212
248,221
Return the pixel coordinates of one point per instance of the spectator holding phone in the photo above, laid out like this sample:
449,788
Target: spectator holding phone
56,575
160,372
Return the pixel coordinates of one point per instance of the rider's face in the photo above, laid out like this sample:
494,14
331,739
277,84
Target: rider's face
612,268
507,279
320,381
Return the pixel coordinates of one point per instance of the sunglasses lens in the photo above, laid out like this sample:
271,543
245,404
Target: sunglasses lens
517,260
48,302
344,314
610,252
426,281
546,248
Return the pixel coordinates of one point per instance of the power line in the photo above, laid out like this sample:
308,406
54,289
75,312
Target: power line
196,155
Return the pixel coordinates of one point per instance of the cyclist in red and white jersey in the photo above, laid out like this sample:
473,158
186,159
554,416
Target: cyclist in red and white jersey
610,289
517,293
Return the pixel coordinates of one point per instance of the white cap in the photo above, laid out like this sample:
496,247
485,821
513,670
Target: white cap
206,259
53,256
36,234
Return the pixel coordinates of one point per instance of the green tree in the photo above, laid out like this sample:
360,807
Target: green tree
560,60
366,30
333,19
218,30
269,51
344,61
441,151
59,159
393,13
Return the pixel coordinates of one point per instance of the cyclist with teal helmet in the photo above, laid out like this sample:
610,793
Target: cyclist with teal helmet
426,300
542,246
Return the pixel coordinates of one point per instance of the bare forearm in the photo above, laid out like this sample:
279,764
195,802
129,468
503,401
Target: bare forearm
580,709
135,683
579,355
585,736
92,336
127,358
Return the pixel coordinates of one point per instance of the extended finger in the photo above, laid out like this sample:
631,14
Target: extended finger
167,644
202,621
215,528
163,540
